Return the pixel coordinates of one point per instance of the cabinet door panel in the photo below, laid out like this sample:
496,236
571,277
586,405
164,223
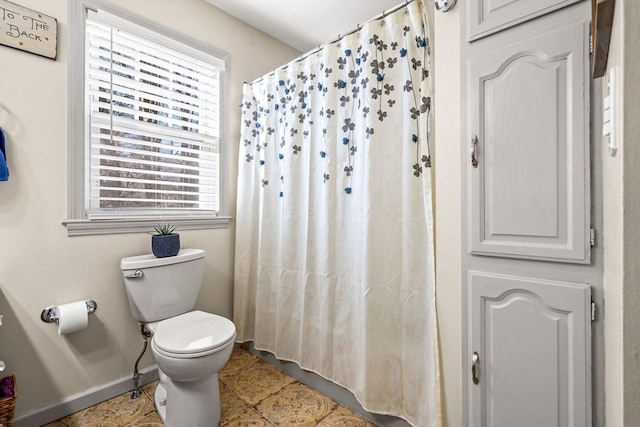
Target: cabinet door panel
489,16
532,337
528,108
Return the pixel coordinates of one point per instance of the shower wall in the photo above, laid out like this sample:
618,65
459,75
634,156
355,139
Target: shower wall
447,207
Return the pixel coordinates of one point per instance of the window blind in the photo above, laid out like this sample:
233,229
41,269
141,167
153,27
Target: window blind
153,122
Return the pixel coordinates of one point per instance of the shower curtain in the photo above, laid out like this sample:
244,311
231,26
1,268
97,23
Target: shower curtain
334,265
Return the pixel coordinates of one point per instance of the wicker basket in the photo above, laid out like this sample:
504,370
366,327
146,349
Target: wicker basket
8,397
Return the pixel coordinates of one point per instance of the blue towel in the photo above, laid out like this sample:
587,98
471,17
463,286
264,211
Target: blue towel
4,169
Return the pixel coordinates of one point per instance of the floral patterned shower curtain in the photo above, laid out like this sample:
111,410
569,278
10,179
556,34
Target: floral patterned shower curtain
334,261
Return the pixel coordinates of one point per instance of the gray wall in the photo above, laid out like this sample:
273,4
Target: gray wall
621,233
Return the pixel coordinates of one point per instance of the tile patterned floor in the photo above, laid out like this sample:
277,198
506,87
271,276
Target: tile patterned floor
252,393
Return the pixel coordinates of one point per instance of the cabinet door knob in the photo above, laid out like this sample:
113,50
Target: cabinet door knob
474,151
475,359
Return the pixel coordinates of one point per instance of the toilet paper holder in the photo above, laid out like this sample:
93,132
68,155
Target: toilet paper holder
51,314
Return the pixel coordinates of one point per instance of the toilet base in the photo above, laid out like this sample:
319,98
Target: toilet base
160,399
190,403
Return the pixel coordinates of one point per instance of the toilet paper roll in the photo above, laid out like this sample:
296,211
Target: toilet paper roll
72,317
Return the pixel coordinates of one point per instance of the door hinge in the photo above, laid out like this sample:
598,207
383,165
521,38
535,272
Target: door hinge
593,311
592,237
590,40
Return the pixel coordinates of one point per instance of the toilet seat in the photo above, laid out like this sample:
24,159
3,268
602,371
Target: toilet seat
192,334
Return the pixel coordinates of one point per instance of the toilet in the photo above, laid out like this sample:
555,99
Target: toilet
189,346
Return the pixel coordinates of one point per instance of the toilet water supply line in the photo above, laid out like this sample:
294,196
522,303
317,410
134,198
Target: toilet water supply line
146,334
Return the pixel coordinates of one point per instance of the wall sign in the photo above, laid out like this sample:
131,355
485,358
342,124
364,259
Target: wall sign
28,30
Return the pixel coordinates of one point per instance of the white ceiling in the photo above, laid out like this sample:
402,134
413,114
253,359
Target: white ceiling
305,24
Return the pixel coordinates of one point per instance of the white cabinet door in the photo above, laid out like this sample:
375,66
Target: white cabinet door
532,339
489,16
528,196
528,267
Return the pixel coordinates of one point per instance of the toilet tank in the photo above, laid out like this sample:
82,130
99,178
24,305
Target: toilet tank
159,288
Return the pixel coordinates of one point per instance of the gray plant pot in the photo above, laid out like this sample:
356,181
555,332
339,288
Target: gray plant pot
165,245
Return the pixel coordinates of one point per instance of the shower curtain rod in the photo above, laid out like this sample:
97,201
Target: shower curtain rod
340,37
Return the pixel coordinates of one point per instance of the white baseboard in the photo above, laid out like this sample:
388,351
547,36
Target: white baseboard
80,401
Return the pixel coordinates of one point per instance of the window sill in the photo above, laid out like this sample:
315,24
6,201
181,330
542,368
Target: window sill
86,227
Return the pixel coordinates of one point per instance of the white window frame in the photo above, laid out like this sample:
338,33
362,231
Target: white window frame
78,222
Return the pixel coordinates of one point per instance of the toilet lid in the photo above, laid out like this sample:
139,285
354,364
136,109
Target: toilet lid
193,332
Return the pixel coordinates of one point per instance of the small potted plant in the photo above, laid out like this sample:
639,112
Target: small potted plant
164,242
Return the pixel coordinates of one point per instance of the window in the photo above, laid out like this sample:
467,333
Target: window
147,146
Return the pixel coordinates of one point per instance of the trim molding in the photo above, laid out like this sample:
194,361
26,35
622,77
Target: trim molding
80,401
77,222
84,227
